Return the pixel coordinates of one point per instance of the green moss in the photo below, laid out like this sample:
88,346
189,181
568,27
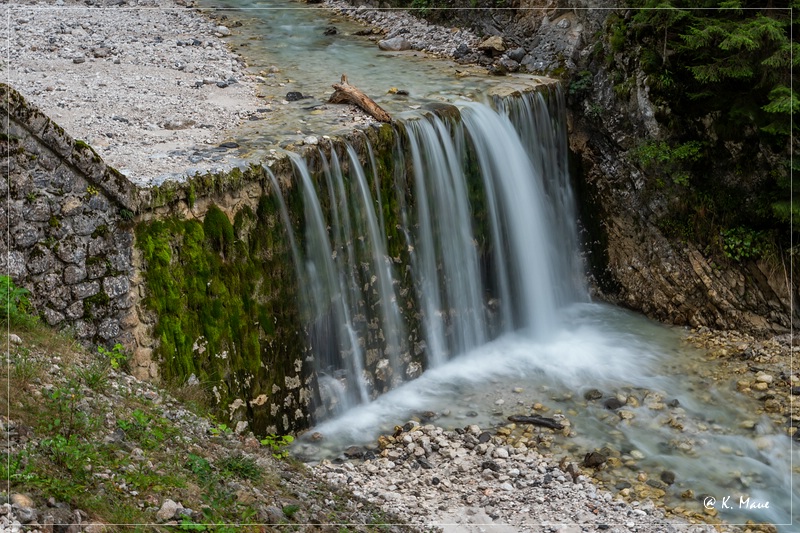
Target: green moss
218,230
231,319
54,222
100,231
92,302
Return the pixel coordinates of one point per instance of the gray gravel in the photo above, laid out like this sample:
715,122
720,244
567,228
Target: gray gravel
149,84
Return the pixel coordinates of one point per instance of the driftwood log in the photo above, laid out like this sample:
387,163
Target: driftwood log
348,94
536,421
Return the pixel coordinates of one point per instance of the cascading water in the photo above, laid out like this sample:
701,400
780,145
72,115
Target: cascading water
471,275
477,277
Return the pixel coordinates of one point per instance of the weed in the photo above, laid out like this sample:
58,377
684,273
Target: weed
742,243
116,356
290,510
240,466
219,430
24,367
66,419
278,445
14,303
95,376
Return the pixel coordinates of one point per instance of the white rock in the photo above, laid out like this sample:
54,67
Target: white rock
168,510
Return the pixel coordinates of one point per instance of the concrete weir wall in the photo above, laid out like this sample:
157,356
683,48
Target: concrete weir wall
195,279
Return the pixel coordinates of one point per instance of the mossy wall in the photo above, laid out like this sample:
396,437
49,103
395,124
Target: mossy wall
220,296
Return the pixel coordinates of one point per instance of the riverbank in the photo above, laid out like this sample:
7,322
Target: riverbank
574,494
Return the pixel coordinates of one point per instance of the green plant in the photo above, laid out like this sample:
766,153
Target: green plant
17,467
149,432
200,467
675,162
95,376
741,243
290,510
70,453
220,429
278,445
91,190
14,303
24,367
582,83
66,418
116,356
241,466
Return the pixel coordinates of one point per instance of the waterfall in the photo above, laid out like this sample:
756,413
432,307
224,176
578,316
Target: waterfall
465,233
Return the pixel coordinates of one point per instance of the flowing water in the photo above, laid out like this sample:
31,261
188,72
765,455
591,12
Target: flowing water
479,238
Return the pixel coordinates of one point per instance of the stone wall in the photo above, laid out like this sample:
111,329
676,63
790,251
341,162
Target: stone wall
67,225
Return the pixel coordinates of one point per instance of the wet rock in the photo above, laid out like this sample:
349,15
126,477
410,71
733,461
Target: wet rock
592,394
612,404
330,30
395,44
668,477
294,96
594,459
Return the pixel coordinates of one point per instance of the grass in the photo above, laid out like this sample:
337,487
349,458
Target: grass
99,447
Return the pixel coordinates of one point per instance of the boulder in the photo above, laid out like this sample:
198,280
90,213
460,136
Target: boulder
395,44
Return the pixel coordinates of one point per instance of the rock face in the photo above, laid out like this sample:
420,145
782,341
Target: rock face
68,236
633,263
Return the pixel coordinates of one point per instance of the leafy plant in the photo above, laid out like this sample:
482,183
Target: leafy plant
290,510
14,303
116,356
278,445
220,429
672,161
741,243
95,376
66,418
582,83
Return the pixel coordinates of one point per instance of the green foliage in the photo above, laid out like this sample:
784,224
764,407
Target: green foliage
148,431
24,367
290,510
278,445
66,418
720,75
582,83
742,243
240,466
664,159
14,303
116,356
219,430
69,452
95,376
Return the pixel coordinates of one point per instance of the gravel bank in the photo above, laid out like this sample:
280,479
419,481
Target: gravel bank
470,481
149,84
